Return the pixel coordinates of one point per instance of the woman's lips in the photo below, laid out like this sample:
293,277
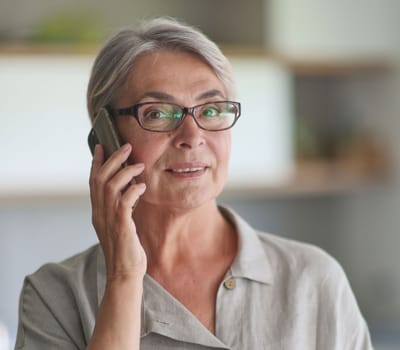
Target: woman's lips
188,169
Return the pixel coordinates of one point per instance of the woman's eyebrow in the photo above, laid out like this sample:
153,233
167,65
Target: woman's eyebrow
158,95
167,97
210,94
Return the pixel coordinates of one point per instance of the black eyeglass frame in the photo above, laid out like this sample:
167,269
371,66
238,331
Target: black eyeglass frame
132,111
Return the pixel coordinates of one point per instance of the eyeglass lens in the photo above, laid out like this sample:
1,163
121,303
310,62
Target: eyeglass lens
166,117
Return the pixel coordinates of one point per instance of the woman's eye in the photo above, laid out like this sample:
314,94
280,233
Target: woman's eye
210,111
156,114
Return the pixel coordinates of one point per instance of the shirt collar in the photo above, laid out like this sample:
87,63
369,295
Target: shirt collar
159,315
251,261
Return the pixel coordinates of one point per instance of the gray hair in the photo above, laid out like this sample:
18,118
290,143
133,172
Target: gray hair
116,59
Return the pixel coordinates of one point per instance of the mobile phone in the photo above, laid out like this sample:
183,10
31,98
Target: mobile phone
105,133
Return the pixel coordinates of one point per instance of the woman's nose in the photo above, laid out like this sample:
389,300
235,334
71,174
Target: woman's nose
189,134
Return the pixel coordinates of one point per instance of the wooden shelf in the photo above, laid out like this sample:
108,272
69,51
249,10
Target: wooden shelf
314,68
316,178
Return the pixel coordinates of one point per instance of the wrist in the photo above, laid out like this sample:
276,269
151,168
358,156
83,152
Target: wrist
125,281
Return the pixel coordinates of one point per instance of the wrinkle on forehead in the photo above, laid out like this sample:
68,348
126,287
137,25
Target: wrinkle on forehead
165,75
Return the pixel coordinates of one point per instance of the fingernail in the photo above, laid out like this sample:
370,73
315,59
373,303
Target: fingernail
125,147
141,185
96,152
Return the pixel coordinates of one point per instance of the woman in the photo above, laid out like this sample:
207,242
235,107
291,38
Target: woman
174,270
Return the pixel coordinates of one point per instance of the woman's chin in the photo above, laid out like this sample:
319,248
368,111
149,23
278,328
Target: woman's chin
183,200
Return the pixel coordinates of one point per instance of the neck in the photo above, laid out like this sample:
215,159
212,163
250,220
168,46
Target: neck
170,236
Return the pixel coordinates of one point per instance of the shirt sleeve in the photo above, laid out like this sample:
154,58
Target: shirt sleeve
346,328
58,304
38,326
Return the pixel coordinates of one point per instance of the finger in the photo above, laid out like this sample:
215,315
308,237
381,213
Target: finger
100,175
125,177
102,171
115,188
127,203
128,252
114,163
97,162
131,195
121,235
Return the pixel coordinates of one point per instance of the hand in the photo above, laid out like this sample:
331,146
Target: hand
113,194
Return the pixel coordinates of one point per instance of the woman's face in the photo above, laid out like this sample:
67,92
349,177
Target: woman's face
187,167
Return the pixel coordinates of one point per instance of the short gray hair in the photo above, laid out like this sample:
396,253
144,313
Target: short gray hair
116,59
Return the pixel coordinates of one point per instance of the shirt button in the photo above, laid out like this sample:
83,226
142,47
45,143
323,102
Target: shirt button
230,283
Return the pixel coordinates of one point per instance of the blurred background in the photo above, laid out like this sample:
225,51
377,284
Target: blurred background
316,154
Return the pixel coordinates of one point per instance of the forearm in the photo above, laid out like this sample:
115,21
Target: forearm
113,195
118,319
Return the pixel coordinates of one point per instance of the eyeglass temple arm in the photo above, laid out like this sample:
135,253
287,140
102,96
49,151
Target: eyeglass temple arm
123,111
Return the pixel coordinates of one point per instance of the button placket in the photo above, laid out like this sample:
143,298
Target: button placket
229,311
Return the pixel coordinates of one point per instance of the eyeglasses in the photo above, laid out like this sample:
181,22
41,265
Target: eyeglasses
165,117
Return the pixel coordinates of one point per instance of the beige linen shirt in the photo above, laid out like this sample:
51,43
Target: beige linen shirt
278,294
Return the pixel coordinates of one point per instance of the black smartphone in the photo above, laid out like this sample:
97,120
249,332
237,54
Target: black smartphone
105,133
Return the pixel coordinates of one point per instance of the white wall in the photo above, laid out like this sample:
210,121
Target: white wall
338,29
262,139
44,124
